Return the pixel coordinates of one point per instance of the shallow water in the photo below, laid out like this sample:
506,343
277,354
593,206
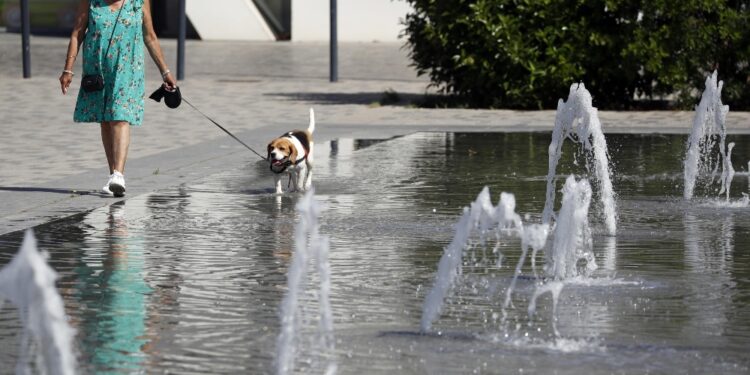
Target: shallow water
189,280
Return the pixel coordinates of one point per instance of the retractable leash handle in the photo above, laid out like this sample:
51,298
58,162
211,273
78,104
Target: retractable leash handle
222,128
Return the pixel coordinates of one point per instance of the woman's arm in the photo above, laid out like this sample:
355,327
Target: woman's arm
76,38
154,49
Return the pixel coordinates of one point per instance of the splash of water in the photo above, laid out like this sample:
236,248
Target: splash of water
482,217
28,282
572,243
578,120
554,288
448,268
572,240
308,245
534,237
708,124
727,173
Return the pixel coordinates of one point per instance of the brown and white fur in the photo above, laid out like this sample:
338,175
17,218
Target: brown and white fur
294,150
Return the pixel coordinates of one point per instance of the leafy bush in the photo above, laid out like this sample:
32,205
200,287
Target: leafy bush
2,12
526,53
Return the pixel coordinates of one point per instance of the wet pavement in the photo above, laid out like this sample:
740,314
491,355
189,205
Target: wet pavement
189,279
52,167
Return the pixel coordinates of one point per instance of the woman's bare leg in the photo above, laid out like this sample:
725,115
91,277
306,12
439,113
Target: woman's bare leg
120,133
116,141
106,130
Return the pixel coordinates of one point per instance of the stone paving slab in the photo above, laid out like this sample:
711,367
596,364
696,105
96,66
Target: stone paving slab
256,90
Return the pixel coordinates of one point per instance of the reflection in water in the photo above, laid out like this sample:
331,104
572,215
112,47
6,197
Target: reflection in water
340,157
709,247
610,253
281,227
112,290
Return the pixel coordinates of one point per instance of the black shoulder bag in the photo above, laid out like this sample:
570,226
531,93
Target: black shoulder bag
95,82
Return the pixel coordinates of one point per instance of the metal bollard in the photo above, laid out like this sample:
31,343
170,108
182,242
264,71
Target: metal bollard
181,42
25,33
334,44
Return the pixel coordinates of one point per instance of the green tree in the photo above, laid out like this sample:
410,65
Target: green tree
527,53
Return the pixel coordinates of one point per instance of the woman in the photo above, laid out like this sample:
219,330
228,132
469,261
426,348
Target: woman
115,32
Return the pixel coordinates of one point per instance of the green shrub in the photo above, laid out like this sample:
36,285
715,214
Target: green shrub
527,53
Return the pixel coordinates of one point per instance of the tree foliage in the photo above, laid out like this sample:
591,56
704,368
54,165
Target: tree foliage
526,53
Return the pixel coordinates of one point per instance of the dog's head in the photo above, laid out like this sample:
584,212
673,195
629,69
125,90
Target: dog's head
281,152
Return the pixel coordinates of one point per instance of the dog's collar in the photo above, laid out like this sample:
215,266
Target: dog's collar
285,166
288,164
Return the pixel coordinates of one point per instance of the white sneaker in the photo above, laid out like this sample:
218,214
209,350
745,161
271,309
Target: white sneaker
117,184
105,189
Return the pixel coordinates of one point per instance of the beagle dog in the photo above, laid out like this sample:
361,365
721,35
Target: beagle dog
292,153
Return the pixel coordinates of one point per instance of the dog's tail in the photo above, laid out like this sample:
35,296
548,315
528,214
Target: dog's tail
311,127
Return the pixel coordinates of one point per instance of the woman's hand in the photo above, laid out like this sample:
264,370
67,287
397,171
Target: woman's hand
65,79
169,82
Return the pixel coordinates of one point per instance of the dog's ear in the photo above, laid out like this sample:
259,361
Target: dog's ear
268,150
292,153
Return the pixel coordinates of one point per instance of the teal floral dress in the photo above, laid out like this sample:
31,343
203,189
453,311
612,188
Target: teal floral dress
122,68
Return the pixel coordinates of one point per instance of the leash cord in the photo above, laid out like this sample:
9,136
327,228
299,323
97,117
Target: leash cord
222,128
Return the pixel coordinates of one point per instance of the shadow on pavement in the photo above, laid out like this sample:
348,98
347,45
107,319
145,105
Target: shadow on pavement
381,98
49,190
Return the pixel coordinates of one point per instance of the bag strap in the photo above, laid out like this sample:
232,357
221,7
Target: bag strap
114,27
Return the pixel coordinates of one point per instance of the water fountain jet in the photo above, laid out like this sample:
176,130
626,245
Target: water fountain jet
309,245
579,117
727,173
572,240
534,237
571,243
708,124
483,218
28,282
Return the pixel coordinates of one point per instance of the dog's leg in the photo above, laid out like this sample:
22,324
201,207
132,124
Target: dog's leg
307,183
299,175
277,181
293,180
